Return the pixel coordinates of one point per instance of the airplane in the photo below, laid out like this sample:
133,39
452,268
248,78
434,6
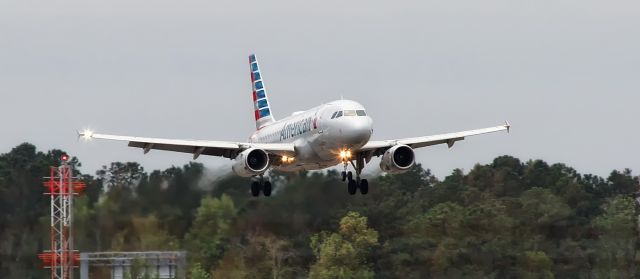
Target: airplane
331,134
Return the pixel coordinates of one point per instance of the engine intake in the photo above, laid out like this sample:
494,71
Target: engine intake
251,162
397,159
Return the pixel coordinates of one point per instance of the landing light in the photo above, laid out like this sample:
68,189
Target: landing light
86,134
286,159
345,154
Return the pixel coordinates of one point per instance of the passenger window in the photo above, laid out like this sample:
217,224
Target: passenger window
349,113
339,114
361,112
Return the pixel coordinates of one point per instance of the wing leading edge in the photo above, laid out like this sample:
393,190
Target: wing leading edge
196,147
379,147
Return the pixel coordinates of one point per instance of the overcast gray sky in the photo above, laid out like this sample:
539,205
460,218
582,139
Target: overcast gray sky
566,74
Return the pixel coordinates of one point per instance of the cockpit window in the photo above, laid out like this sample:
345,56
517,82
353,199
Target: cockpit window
349,113
359,112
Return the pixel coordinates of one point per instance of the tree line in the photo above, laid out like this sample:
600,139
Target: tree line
506,219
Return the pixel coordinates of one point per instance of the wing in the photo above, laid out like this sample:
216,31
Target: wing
225,149
377,148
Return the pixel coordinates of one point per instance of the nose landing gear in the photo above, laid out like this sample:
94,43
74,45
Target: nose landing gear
354,184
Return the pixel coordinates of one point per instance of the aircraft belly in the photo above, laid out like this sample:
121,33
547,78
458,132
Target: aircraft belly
306,156
302,166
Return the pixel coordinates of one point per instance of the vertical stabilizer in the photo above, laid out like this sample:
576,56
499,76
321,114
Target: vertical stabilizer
262,109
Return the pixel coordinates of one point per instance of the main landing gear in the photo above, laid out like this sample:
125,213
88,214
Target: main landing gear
261,185
354,184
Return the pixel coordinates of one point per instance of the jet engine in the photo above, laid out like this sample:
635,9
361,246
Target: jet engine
251,162
397,159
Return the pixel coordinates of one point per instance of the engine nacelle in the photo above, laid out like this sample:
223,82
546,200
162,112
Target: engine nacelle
251,162
397,159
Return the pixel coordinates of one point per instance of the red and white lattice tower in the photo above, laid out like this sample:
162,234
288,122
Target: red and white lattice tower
62,186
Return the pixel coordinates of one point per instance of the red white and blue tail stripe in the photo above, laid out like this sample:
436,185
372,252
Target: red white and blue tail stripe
262,110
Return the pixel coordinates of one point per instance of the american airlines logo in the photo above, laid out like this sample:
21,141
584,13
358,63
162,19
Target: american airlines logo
297,128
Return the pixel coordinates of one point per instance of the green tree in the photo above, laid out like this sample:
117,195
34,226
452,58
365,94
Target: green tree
233,264
143,234
207,239
541,216
120,174
24,209
197,272
506,219
442,221
617,229
343,254
274,254
535,264
623,183
181,196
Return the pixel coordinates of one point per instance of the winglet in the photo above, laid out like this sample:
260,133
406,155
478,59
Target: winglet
507,125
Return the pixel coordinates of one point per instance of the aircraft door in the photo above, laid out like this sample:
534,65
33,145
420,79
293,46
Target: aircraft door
320,120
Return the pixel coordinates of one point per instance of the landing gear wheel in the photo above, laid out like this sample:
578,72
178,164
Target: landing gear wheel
344,176
255,188
349,176
364,187
352,187
267,189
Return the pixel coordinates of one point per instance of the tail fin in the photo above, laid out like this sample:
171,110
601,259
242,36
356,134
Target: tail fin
262,110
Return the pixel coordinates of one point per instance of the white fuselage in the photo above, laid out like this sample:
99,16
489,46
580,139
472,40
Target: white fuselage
318,135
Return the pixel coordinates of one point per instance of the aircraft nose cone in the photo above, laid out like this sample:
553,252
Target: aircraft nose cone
357,132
